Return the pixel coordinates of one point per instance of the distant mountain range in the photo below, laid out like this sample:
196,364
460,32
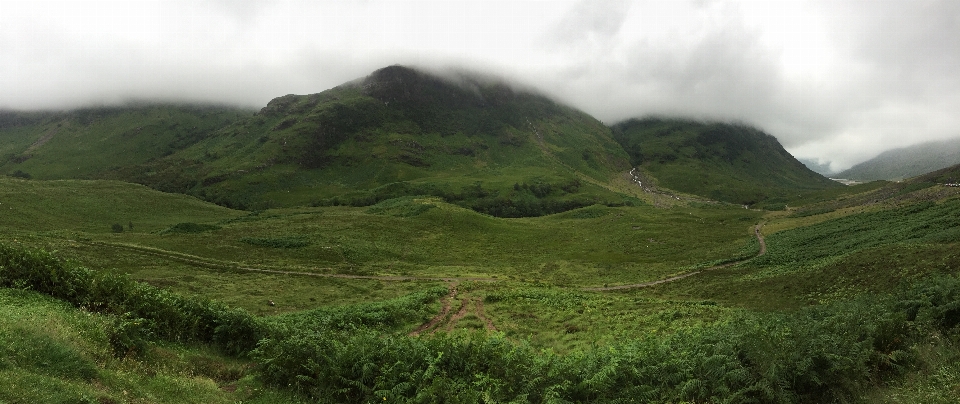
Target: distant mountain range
906,162
474,141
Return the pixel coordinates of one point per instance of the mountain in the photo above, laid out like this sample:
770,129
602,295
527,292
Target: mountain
906,162
726,162
399,131
101,142
472,140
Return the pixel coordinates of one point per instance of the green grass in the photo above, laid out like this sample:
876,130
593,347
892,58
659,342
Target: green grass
624,245
53,353
93,206
106,142
726,162
832,263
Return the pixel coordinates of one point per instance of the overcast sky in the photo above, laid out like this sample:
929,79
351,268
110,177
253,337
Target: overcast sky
836,80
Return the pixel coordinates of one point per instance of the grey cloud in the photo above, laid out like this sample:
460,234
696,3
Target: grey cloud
591,19
889,77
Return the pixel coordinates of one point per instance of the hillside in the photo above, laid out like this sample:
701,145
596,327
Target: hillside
869,291
470,140
103,142
726,162
401,132
906,162
94,206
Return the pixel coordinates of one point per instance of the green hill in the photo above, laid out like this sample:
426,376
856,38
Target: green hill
94,206
103,142
404,132
726,162
473,141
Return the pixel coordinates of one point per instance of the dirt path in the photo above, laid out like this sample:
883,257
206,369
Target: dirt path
481,314
445,321
205,263
464,308
763,250
434,322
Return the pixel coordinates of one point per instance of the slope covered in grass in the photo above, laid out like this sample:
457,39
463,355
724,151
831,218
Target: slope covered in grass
94,206
401,132
105,142
472,140
726,162
837,352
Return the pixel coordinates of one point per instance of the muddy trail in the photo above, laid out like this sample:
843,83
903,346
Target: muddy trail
445,321
763,250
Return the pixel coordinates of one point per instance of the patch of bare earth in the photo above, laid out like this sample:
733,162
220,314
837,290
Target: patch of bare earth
487,323
444,310
464,308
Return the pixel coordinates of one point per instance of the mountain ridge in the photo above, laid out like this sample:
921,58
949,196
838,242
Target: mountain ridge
906,162
470,139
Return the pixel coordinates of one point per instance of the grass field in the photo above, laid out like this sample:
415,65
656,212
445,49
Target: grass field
520,280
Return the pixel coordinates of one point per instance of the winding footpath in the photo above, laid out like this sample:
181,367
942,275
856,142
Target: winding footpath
444,319
194,260
206,263
763,250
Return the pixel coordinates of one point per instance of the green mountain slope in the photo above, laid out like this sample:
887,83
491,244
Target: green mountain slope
906,162
103,142
474,141
726,162
467,139
93,206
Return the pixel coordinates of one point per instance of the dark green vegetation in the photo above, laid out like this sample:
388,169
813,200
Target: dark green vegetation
475,142
845,306
108,142
386,264
732,163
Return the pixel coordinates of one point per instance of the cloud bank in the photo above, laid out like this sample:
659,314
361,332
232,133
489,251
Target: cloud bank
840,81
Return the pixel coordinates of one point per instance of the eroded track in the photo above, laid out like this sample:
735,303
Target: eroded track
763,250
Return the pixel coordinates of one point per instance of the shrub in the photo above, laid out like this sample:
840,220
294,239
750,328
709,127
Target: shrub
117,228
180,228
277,242
145,312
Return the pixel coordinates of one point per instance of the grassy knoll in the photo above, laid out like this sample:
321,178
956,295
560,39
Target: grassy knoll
839,255
197,248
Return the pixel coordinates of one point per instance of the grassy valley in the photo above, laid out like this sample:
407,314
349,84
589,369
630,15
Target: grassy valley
411,238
